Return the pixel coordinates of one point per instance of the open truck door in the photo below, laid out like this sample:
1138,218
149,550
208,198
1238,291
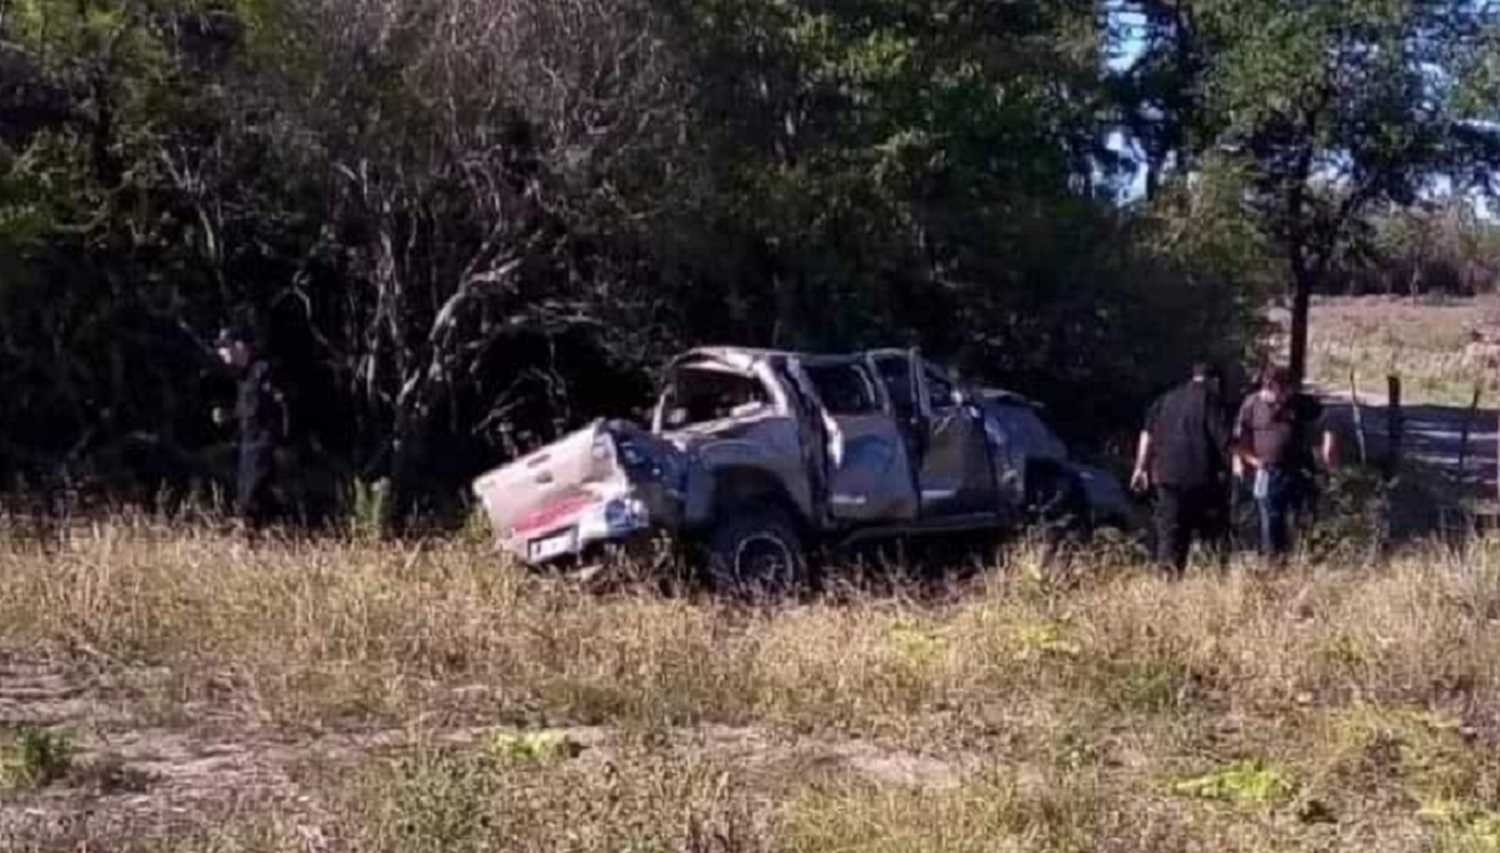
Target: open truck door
870,474
945,434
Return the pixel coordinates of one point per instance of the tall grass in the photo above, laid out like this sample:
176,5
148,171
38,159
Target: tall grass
1078,716
319,632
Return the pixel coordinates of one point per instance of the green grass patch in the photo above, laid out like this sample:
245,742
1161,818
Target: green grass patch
1423,750
1247,783
1146,686
533,748
918,644
1060,813
1463,827
34,758
1042,640
432,798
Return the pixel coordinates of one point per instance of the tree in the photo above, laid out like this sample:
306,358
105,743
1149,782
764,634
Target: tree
1444,245
470,152
466,226
886,156
1320,114
99,249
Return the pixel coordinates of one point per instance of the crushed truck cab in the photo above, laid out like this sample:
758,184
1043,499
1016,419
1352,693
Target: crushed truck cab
753,456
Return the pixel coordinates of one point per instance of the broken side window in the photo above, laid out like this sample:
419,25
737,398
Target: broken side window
895,371
845,389
939,389
703,395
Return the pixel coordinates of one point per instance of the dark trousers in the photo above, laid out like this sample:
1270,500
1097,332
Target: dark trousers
255,498
1288,497
1185,514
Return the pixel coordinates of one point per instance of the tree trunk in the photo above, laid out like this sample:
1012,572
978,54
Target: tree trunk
1302,286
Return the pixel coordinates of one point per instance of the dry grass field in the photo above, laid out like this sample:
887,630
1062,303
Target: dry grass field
164,688
1425,342
1431,345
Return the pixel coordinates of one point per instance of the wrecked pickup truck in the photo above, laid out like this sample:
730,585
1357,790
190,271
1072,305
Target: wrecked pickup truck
753,457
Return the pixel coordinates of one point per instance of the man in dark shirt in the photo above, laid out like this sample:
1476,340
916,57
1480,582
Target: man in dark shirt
1183,454
262,418
1274,436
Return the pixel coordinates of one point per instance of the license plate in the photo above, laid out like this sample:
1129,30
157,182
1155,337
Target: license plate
552,546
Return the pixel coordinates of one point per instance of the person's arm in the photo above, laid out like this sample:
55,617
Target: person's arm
1328,450
1243,443
1327,425
1140,479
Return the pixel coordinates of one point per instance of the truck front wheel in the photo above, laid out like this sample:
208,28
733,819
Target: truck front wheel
1057,504
756,552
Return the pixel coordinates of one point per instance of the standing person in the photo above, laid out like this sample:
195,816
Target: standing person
1183,454
1274,438
263,422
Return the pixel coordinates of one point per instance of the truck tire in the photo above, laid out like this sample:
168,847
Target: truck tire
1058,505
756,553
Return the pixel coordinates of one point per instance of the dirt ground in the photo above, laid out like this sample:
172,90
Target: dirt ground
155,783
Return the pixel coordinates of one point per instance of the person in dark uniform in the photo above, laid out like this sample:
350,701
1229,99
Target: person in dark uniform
1183,455
1276,445
262,420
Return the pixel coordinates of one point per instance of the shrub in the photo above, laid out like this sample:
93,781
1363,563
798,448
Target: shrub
34,758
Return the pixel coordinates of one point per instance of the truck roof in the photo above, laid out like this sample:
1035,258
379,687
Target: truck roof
1002,397
745,359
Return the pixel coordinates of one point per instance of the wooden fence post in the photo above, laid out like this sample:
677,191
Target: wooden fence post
1359,418
1395,424
1463,438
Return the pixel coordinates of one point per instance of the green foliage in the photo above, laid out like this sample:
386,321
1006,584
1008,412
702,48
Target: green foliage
1427,749
1044,640
533,748
1463,826
431,799
1243,784
930,194
460,236
34,758
1150,686
1353,521
1316,116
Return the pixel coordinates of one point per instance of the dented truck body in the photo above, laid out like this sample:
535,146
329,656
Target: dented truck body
755,455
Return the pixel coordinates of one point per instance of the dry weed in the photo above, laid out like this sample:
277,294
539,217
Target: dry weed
1073,710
